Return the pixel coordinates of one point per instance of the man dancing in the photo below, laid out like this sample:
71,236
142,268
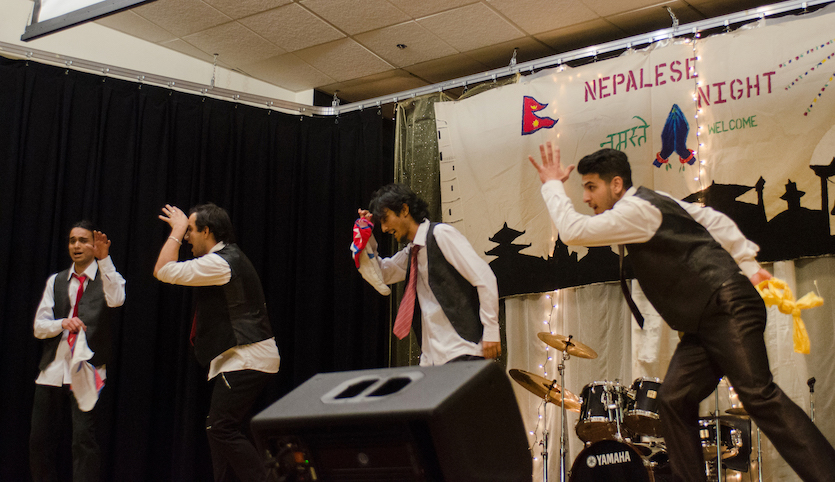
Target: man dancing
230,331
455,316
688,259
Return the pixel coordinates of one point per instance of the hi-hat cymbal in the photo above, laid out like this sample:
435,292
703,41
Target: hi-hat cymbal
546,389
560,342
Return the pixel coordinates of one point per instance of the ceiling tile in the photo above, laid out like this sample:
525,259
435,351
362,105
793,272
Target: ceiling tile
353,17
181,17
447,68
132,24
581,35
184,47
470,27
420,44
717,8
605,8
292,27
343,60
423,8
654,18
499,55
445,39
244,8
536,16
374,86
234,44
287,71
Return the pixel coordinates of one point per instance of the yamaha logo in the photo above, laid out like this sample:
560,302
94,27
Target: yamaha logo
608,459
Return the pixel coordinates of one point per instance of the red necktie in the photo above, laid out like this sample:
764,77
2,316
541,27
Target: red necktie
193,333
403,322
81,279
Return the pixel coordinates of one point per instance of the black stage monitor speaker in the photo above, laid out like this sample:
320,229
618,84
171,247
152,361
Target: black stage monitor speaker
456,422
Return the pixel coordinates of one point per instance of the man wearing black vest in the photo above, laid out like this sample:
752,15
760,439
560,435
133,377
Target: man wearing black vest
230,330
77,301
699,272
455,317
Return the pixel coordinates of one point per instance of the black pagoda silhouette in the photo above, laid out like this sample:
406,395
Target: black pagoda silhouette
794,233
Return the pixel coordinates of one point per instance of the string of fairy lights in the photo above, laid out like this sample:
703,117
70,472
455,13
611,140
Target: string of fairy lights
700,173
539,440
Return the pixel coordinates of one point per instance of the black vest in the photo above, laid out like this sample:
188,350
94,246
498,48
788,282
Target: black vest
457,297
232,314
681,267
92,310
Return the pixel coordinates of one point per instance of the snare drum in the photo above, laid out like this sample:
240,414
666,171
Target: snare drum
601,411
641,416
731,439
609,460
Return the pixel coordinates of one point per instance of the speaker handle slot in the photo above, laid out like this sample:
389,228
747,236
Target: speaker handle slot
392,385
370,388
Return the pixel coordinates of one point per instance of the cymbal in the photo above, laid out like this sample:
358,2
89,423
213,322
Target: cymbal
545,389
561,341
740,411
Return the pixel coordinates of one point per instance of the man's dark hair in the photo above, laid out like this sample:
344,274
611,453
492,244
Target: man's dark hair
83,224
607,163
394,196
216,219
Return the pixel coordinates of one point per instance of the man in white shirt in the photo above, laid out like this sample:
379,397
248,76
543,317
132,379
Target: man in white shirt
230,330
699,272
456,314
77,301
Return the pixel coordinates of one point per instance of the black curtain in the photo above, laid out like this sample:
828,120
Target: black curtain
79,146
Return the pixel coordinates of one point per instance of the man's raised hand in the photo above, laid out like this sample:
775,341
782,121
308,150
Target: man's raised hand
551,168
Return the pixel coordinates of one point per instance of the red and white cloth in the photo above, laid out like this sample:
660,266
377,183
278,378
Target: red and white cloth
364,249
86,380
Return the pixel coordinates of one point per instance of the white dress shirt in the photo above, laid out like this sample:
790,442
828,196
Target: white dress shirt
635,220
439,340
46,326
212,270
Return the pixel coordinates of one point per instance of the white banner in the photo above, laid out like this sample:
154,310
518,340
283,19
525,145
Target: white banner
736,118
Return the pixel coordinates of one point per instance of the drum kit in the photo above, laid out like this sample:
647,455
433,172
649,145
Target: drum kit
621,428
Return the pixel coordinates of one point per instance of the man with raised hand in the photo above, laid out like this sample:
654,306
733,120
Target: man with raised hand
230,330
699,272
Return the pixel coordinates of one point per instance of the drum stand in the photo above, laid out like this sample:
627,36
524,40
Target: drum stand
759,456
544,443
563,431
811,383
612,406
718,438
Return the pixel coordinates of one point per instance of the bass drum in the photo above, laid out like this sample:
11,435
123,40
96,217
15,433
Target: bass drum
609,460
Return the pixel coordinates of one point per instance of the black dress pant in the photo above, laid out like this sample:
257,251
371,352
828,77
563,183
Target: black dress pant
234,457
729,342
466,358
45,436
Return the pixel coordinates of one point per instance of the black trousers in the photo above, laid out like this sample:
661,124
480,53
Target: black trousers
45,436
234,457
730,342
466,358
